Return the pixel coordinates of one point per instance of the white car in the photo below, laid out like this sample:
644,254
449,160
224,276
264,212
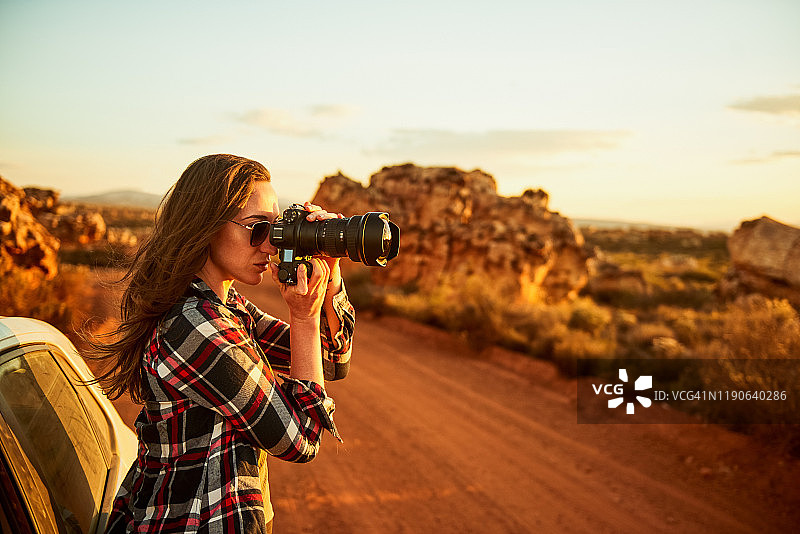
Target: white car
64,449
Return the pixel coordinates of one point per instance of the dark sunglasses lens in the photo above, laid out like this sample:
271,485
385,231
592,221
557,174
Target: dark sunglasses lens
259,233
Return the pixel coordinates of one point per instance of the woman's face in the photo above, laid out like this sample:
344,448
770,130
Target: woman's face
231,256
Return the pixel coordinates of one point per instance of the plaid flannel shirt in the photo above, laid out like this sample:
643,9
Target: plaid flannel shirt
215,407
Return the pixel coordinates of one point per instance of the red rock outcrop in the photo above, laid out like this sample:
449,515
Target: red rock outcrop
454,225
74,224
40,200
765,258
610,279
25,244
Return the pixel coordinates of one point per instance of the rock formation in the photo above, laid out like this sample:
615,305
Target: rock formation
765,258
25,244
608,279
74,224
40,200
454,225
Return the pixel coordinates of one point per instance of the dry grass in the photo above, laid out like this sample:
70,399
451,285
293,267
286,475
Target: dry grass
680,317
70,301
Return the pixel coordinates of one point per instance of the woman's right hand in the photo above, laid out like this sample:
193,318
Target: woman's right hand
305,302
305,299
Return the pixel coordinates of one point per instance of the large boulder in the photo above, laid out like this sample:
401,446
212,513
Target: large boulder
454,225
765,258
608,279
75,225
25,244
40,200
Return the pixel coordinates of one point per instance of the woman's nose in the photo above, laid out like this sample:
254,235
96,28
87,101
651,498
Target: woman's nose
268,247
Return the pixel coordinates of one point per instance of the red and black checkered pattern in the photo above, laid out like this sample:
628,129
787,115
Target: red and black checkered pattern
216,404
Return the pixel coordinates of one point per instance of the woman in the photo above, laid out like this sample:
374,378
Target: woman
203,359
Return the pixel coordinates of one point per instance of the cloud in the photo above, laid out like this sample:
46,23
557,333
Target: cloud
445,144
279,121
332,111
773,105
778,155
313,121
8,165
207,140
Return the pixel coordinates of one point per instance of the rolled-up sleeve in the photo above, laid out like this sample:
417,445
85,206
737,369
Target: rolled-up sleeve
338,346
273,336
208,356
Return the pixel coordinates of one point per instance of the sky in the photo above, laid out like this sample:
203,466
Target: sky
679,112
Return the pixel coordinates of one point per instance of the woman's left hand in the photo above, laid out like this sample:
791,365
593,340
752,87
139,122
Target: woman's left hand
334,285
319,214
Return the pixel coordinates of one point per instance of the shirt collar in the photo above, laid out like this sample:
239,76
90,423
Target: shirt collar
199,288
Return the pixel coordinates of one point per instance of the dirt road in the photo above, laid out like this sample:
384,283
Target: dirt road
439,440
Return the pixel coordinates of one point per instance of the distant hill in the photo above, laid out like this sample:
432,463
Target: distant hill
610,224
137,199
623,225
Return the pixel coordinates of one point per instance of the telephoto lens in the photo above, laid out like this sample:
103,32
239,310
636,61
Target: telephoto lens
371,239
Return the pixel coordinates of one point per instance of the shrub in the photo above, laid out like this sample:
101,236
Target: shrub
758,327
683,323
475,311
539,327
581,344
639,340
588,316
66,302
469,308
741,341
364,295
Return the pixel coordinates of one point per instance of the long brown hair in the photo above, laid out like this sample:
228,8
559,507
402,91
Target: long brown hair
210,191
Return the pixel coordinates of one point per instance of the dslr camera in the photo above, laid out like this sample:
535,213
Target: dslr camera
371,239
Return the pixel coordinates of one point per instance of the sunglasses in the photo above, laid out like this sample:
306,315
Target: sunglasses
258,231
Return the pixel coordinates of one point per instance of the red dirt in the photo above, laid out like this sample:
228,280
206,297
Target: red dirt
438,439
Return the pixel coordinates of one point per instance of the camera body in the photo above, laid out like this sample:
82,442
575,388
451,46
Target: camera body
371,239
285,235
